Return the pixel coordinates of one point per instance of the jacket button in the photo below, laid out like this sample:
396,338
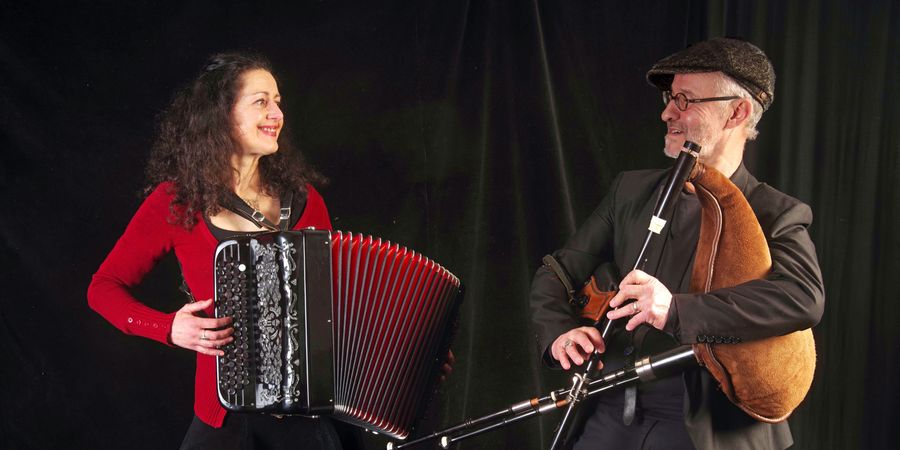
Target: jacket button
130,320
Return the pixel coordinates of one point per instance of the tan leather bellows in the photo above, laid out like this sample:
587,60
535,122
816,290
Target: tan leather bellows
767,378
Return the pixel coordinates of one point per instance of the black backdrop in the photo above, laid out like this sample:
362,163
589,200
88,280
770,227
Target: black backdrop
479,133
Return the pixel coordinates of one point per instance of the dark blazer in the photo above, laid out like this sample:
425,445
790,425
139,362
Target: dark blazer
790,298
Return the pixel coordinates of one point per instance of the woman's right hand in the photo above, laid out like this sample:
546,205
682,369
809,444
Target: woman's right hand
201,334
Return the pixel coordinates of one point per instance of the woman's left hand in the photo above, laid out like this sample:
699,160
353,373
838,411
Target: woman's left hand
447,367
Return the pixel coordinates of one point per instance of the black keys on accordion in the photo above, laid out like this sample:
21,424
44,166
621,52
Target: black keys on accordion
338,324
276,287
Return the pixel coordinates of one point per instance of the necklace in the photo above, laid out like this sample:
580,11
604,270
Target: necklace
253,203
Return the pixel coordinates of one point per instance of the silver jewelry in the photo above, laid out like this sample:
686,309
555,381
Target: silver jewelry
634,307
203,335
253,203
567,344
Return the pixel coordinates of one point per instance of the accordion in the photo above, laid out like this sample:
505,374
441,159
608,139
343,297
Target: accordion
332,324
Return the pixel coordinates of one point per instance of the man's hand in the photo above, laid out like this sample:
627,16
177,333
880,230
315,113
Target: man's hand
651,305
576,345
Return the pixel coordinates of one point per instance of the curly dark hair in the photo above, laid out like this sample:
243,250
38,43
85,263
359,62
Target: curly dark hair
196,140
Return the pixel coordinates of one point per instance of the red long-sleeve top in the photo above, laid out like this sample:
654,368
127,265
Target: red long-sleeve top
148,237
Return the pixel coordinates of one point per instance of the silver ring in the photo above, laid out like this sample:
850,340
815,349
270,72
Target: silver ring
634,307
567,344
203,335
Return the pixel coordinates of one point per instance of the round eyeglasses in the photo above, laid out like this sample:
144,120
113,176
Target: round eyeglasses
681,100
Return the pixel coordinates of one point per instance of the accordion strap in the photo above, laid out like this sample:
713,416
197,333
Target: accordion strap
241,208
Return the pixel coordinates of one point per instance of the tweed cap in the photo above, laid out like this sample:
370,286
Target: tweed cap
741,60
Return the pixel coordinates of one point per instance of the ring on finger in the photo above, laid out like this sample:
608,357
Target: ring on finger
203,335
567,343
634,308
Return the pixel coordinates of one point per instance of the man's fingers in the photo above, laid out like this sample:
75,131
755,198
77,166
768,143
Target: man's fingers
594,335
632,286
558,351
575,355
627,292
563,359
584,342
576,345
617,299
636,276
589,339
635,321
624,311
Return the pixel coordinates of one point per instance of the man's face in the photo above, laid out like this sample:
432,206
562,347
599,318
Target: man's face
702,123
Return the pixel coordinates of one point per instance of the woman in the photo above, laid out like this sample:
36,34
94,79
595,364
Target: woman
218,145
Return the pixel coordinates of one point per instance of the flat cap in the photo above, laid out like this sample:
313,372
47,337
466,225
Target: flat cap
740,60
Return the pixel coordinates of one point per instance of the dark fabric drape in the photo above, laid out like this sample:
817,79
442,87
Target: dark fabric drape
478,133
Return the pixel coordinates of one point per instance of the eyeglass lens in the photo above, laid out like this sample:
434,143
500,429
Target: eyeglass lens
680,99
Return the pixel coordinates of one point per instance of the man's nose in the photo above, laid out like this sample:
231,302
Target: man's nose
670,112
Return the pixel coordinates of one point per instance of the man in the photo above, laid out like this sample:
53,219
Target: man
714,94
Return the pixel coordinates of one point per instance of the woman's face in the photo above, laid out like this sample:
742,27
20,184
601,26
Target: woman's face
257,116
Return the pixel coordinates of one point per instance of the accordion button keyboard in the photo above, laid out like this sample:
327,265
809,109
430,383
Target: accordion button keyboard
232,289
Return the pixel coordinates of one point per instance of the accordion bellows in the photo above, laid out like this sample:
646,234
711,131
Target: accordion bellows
332,324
